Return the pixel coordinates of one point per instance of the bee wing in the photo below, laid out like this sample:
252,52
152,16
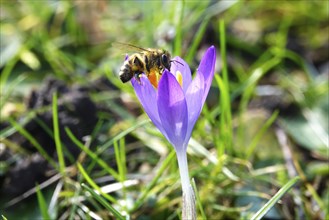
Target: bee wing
128,47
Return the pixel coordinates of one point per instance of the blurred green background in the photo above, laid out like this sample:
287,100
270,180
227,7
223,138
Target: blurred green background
265,120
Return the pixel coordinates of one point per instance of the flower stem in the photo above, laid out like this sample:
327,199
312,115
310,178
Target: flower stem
188,209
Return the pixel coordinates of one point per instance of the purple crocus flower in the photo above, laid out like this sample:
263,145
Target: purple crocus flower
175,106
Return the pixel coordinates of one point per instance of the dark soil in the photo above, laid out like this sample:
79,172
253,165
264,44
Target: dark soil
76,111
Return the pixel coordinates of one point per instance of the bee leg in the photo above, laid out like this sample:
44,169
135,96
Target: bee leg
161,70
137,77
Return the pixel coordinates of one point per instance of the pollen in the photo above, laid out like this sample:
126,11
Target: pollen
179,78
154,79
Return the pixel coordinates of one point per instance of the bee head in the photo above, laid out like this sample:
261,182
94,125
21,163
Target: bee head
165,60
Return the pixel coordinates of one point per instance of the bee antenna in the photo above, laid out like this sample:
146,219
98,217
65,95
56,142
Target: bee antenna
172,61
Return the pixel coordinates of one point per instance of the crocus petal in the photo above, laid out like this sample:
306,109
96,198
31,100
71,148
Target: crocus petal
184,69
172,109
194,102
147,96
207,69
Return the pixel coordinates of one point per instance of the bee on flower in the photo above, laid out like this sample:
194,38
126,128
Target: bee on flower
174,105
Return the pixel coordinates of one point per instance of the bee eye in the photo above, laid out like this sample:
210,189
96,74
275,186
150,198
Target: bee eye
164,59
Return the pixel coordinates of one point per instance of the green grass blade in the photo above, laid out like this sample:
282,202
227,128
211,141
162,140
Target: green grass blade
223,50
93,184
198,201
74,207
5,93
123,158
264,63
225,100
7,70
146,191
102,148
178,37
33,141
91,154
260,133
120,156
248,92
42,204
274,199
118,160
103,202
45,127
225,123
196,41
58,142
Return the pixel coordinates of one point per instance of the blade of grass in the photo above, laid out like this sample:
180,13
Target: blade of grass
93,184
223,50
232,209
310,187
95,158
150,15
226,115
118,161
42,203
146,191
49,131
103,202
96,129
33,141
123,158
10,89
178,38
119,150
59,62
45,127
224,140
260,133
248,92
196,41
198,201
262,212
302,63
10,130
57,138
74,206
102,148
14,147
7,70
265,62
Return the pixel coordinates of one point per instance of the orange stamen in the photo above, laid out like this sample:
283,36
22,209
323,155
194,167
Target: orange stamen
154,79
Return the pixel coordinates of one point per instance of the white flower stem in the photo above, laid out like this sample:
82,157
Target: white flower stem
188,209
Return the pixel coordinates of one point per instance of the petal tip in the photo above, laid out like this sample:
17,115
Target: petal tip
212,49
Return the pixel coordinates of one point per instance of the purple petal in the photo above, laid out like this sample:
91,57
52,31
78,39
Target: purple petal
172,109
147,96
207,69
182,67
194,102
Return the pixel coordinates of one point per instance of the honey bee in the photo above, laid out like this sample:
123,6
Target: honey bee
150,61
